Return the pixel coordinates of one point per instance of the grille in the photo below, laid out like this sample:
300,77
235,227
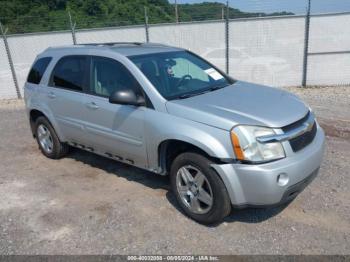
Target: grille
302,141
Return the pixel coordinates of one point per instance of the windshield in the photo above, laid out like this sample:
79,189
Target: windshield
179,74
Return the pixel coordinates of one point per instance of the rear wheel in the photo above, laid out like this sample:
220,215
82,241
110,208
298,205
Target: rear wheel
198,189
48,141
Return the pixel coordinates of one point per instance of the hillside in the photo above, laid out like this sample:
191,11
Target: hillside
212,10
47,15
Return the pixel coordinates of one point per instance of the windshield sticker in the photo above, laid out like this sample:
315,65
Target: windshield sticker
214,74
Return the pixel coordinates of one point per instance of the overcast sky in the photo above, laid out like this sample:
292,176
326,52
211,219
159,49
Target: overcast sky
296,6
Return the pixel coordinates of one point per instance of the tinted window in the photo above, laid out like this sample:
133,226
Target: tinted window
109,75
38,69
70,73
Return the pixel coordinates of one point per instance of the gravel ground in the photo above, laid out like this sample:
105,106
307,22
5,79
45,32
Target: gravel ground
85,204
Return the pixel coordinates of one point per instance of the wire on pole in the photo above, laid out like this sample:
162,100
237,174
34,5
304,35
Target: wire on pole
9,57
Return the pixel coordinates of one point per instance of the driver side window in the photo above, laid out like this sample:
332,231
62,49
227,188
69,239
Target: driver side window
108,76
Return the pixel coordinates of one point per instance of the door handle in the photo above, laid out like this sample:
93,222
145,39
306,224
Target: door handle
92,105
51,95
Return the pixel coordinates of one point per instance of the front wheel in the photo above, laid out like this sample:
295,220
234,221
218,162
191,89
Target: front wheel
198,188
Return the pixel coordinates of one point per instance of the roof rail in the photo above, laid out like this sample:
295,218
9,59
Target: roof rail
124,43
113,43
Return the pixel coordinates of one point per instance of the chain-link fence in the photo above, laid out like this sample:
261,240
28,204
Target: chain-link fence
283,50
329,50
7,87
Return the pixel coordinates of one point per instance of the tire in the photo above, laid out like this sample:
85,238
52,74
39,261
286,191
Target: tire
53,148
208,212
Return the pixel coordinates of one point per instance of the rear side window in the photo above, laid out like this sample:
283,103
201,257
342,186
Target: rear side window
38,70
70,73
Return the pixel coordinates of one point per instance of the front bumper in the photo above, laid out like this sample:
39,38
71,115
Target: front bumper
256,185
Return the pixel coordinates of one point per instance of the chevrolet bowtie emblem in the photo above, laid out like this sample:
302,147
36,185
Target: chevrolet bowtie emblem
308,126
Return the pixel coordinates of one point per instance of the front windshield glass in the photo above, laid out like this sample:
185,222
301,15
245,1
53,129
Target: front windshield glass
179,74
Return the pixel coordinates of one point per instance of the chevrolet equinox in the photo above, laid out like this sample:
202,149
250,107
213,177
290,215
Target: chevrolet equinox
224,143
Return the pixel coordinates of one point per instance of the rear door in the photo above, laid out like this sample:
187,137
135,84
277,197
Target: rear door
116,130
66,96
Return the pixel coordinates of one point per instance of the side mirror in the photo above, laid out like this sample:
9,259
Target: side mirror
126,97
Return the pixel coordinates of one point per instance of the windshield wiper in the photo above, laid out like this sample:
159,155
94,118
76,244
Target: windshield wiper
217,87
184,96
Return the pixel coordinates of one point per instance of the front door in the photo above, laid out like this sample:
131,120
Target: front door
115,130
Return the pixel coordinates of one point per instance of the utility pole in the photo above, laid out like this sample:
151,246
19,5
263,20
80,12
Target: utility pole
306,43
9,57
72,28
176,13
222,13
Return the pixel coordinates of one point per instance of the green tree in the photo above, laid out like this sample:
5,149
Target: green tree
22,16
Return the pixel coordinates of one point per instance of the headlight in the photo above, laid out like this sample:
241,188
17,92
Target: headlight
247,148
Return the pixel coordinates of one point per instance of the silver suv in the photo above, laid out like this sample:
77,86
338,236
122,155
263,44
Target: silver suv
225,143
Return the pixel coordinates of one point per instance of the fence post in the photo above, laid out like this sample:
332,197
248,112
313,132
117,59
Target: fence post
227,51
72,28
306,44
176,13
9,57
146,25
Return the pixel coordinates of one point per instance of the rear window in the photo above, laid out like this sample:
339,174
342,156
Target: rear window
70,73
38,69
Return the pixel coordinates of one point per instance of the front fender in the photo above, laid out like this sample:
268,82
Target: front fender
163,126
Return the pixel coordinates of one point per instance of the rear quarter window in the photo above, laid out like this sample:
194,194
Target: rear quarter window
38,70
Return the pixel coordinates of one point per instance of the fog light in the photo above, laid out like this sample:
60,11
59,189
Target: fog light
282,179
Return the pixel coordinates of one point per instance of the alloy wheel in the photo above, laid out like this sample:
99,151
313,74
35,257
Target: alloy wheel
194,189
45,138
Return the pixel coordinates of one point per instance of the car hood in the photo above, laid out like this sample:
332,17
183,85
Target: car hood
241,103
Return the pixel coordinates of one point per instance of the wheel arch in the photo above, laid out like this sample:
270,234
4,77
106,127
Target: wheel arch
169,149
35,113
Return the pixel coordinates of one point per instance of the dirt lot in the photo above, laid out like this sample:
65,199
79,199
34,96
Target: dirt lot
85,204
